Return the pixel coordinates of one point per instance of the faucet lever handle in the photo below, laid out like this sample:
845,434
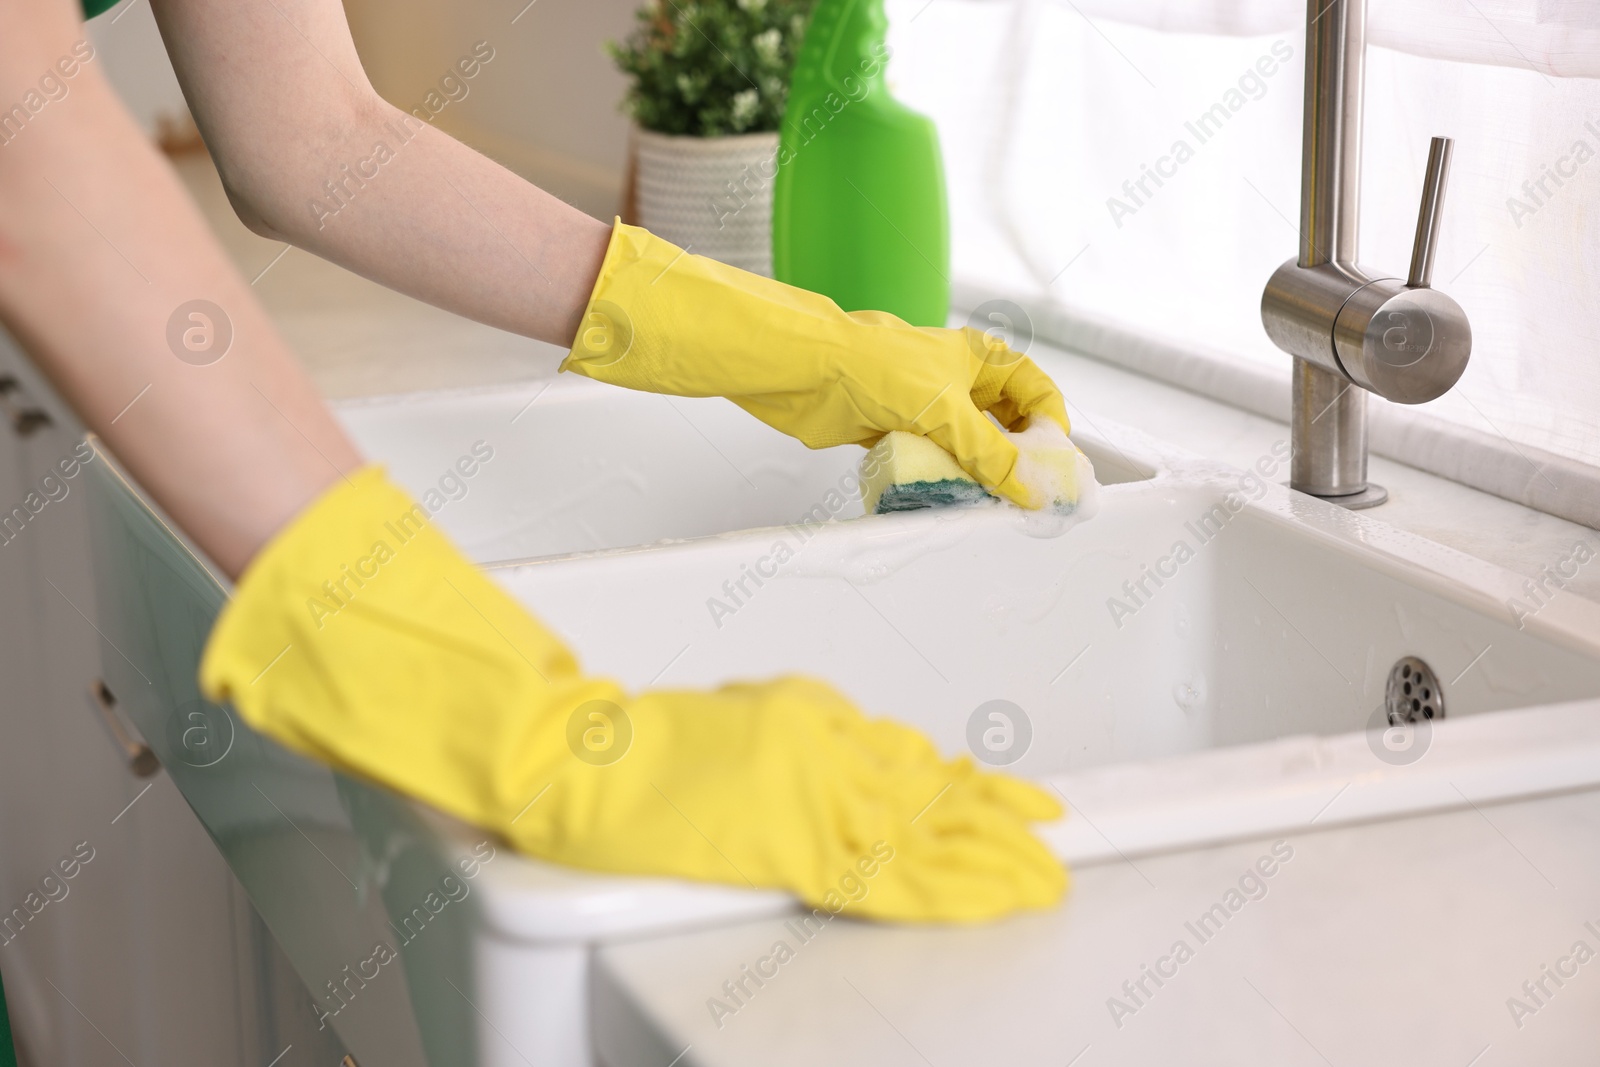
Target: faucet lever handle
1433,183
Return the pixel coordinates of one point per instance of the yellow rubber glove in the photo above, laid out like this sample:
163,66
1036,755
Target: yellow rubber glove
361,637
665,321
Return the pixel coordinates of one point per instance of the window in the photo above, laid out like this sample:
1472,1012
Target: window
1136,165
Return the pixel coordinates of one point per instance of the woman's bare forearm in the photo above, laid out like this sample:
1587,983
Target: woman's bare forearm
102,256
310,154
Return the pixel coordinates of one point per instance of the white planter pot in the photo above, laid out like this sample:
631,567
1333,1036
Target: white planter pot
711,195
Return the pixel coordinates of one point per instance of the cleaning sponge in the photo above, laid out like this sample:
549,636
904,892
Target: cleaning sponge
906,471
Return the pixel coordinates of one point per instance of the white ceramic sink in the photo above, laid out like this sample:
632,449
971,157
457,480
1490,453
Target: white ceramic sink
1278,615
579,466
677,542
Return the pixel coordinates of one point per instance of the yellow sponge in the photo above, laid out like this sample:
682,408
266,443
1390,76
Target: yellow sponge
906,471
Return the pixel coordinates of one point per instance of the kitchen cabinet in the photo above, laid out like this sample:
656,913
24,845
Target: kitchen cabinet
149,952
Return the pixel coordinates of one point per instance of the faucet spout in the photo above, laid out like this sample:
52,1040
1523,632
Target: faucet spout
1330,147
1352,330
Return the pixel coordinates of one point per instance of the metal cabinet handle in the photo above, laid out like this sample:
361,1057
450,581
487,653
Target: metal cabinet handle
25,418
141,760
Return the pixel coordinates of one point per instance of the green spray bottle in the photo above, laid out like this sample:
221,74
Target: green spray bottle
859,209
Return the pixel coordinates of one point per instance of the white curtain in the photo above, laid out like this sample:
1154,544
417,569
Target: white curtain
1557,37
1136,163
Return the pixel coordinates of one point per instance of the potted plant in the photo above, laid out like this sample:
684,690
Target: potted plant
710,79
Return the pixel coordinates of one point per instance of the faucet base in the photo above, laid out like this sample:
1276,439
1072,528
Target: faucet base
1370,497
1327,433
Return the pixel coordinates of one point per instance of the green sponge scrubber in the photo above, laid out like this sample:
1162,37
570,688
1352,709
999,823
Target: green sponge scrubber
906,471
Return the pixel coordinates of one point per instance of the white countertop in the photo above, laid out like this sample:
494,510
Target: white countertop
1392,943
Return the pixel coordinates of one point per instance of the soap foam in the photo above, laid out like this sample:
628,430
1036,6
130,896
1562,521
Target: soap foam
1048,464
1041,449
1055,520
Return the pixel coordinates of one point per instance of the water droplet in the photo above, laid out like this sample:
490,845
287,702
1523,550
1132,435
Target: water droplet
1189,695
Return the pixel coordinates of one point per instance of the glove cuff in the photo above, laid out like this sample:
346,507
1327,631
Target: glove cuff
361,637
320,544
606,333
663,320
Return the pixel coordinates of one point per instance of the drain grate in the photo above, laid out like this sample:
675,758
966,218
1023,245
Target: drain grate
1413,693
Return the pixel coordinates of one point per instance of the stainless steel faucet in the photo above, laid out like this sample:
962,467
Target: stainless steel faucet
1351,329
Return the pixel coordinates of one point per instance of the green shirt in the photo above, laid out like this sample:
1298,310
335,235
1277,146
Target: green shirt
91,8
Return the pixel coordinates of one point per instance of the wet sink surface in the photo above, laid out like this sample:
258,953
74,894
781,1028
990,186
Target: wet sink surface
1203,606
575,466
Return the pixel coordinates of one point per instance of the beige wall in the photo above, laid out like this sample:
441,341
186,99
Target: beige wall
127,42
545,105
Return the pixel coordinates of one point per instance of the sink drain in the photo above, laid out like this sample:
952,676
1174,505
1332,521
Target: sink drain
1413,693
